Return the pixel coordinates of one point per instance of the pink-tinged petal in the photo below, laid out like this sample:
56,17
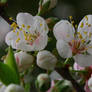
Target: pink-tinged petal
83,60
64,49
24,18
52,85
87,88
64,30
40,25
77,67
39,44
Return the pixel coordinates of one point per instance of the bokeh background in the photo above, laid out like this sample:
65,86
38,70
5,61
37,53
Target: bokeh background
64,8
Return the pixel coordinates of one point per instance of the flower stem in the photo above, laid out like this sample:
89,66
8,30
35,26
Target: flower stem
64,72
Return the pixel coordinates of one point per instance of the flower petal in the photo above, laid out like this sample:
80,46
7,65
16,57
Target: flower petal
85,21
40,24
55,76
85,27
10,39
39,44
24,18
64,49
64,30
83,60
4,29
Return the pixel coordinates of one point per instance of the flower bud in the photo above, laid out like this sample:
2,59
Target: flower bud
46,60
14,88
43,82
90,83
63,86
52,3
24,60
46,5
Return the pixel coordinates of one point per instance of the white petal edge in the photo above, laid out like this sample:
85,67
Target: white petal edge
86,19
64,49
55,76
40,24
64,30
83,60
4,29
24,18
10,39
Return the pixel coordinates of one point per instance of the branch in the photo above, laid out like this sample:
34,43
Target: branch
64,72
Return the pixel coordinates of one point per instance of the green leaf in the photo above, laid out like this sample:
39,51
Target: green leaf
7,75
11,62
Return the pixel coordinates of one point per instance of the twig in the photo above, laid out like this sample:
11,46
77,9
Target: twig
64,72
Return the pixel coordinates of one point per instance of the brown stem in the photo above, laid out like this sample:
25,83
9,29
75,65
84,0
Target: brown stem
64,72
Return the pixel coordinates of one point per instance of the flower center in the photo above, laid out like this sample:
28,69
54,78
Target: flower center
77,47
25,30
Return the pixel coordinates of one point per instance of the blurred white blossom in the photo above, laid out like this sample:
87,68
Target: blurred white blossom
4,29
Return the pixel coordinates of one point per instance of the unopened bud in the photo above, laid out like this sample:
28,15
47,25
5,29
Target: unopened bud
43,82
46,5
46,60
24,60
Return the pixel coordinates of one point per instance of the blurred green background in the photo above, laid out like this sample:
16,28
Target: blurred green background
64,8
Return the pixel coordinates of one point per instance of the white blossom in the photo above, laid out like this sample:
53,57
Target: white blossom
77,44
31,34
46,60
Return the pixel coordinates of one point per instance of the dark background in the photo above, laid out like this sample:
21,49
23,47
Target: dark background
64,8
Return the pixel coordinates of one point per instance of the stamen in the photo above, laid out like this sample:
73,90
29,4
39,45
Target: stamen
86,18
70,17
10,18
17,40
82,24
89,25
85,32
23,25
40,24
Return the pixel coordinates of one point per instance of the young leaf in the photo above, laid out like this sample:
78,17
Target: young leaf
11,62
7,75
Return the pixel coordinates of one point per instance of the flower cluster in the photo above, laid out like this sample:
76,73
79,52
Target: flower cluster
46,55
